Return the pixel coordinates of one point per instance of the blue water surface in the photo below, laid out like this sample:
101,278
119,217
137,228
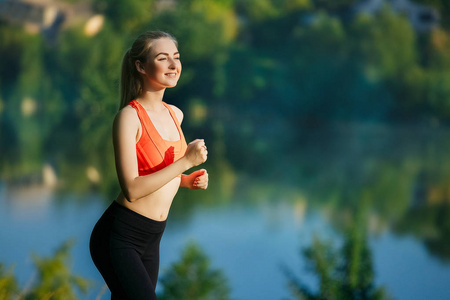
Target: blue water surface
250,243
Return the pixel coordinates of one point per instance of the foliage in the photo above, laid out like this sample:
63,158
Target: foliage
257,76
254,69
427,216
193,278
442,7
346,273
8,284
431,225
125,15
263,10
54,279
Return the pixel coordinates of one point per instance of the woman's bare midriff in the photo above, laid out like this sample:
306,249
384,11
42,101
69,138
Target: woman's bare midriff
155,206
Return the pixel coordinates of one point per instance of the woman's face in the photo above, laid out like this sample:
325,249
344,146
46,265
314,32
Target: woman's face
163,66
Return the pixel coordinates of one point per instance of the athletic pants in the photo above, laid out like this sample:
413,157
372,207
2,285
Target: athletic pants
124,246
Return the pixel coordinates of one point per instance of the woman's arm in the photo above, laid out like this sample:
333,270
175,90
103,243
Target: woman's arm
133,186
198,179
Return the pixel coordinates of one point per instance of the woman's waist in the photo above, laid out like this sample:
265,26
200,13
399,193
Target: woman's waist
156,205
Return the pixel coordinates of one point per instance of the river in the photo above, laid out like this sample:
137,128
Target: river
254,236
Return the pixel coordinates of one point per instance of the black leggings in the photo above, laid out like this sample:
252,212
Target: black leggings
124,246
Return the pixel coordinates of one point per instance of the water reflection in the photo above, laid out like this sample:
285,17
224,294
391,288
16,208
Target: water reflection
431,224
383,165
367,192
345,273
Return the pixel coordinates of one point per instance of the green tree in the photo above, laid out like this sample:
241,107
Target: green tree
54,278
8,284
296,63
262,10
395,72
427,217
343,274
31,101
12,46
442,7
434,85
97,105
192,278
205,29
373,40
430,224
333,6
126,15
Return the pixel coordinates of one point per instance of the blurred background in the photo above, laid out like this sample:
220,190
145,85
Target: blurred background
328,129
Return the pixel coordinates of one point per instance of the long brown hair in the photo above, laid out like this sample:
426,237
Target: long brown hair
130,80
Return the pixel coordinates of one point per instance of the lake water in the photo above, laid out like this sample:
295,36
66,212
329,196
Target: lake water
251,240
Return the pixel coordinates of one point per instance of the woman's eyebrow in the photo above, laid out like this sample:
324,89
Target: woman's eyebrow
166,54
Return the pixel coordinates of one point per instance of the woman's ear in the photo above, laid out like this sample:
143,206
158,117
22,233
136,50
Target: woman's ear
140,67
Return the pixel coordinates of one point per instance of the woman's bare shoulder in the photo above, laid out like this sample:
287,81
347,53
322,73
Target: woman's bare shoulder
178,112
126,116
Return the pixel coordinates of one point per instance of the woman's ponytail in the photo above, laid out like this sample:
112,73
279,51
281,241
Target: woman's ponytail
130,82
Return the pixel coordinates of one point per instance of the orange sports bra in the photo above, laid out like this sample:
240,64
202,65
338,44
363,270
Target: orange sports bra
153,152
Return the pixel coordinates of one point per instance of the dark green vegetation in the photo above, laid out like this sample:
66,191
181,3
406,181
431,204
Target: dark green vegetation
347,112
256,74
53,279
190,278
346,273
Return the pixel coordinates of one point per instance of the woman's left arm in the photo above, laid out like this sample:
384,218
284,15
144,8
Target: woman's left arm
197,180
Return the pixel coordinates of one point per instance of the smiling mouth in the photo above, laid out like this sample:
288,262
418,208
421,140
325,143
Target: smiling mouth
171,75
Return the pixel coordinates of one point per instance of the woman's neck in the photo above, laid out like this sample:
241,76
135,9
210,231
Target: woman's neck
152,100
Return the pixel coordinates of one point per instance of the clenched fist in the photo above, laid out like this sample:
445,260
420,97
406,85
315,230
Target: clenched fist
196,152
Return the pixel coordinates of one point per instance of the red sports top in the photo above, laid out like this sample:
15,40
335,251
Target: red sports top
153,152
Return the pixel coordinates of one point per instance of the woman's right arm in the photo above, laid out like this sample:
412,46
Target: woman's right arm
133,186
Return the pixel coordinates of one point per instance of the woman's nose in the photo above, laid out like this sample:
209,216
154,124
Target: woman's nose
172,64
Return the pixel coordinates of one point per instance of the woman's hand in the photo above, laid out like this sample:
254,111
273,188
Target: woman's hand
196,180
196,152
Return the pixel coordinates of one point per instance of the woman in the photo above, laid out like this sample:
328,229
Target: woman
150,155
